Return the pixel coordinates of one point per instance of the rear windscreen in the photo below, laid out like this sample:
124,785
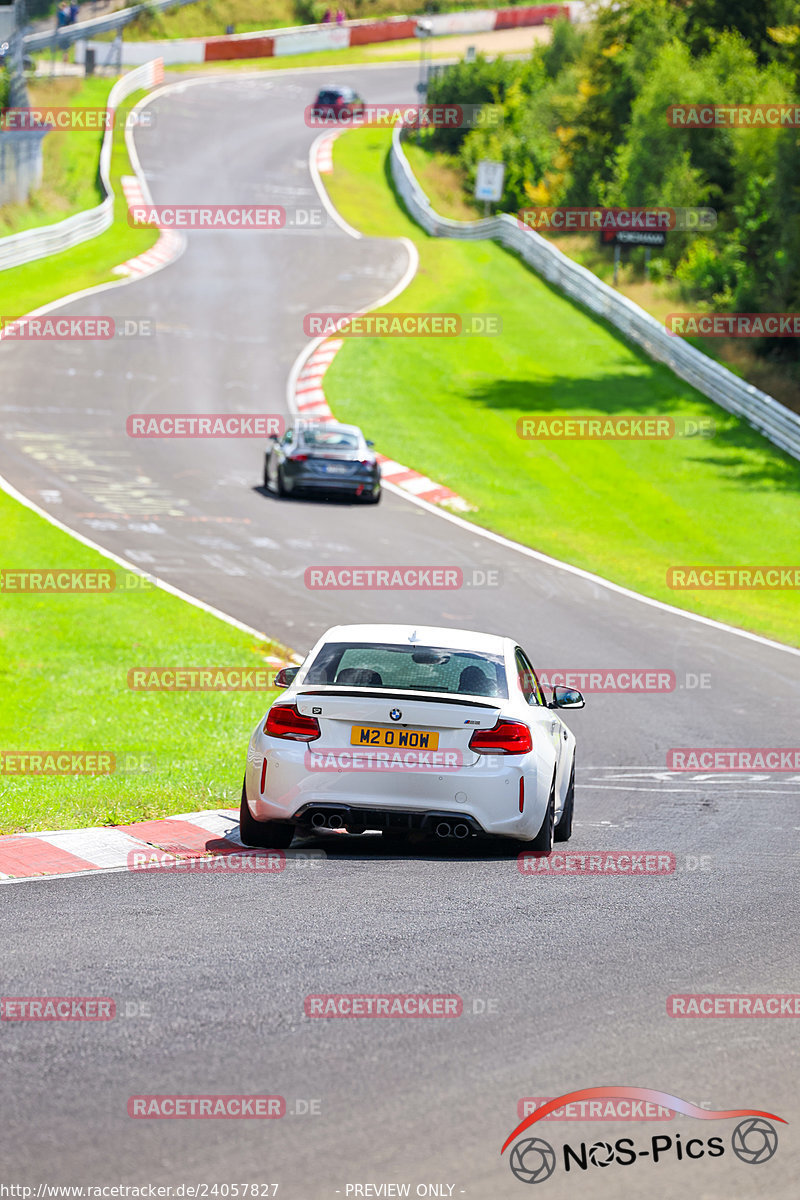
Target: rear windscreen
415,668
329,439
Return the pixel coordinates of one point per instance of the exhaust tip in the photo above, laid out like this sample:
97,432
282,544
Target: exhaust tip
318,820
443,829
335,821
461,830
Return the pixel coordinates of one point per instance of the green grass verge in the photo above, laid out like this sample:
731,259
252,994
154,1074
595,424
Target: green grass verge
70,181
65,664
449,408
34,284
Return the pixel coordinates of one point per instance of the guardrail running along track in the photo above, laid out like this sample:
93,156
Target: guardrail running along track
780,425
31,244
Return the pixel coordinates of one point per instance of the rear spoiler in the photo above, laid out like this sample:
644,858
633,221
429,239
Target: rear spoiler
385,694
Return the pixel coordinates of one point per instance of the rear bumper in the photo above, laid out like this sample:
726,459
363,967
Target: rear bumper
333,483
484,796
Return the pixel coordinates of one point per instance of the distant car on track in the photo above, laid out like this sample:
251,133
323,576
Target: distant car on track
441,731
323,457
337,102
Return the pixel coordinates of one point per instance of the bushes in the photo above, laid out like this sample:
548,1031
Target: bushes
585,123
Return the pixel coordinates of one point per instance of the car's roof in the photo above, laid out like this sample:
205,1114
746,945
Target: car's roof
422,635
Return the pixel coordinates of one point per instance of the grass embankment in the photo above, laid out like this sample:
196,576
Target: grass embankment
174,752
627,510
70,159
445,183
37,283
210,18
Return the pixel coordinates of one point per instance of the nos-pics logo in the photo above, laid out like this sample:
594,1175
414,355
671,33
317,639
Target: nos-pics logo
533,1160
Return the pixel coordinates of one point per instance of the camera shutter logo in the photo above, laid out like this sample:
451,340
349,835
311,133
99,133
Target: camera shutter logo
532,1160
754,1140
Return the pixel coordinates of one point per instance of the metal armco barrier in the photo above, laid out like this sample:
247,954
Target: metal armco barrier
58,39
31,244
763,412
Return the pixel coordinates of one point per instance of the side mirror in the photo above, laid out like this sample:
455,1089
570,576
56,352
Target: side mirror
285,676
564,697
370,444
273,437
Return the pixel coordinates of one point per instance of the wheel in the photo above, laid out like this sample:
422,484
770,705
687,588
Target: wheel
266,474
281,485
544,838
272,834
373,498
563,830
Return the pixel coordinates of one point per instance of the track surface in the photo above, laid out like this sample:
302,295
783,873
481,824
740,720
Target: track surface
578,969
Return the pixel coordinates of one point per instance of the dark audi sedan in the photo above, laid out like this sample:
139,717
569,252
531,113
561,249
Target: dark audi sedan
324,458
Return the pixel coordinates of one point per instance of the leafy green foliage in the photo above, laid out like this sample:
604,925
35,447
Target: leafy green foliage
584,123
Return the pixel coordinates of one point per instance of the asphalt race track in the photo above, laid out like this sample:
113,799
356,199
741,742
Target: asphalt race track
564,980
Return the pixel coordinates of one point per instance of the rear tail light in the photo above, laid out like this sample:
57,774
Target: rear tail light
284,721
298,457
506,737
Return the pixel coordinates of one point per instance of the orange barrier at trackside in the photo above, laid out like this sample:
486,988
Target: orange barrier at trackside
229,47
382,31
510,18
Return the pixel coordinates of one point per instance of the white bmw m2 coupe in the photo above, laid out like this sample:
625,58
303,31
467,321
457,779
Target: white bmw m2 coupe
399,728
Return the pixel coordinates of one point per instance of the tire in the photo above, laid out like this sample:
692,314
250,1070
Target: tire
563,830
266,475
274,835
374,499
544,838
281,485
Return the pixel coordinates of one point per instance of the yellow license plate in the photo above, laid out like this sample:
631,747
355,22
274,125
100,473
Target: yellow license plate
399,739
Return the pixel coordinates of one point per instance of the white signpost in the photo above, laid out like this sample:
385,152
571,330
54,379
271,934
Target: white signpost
489,181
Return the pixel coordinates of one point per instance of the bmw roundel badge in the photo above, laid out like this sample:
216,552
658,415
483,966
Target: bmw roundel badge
395,714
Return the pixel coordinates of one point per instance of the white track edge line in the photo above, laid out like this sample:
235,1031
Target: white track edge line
11,491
